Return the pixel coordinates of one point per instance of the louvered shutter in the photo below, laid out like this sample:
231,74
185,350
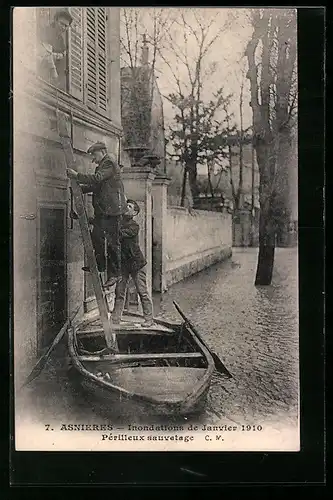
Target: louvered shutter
96,59
102,54
76,81
91,65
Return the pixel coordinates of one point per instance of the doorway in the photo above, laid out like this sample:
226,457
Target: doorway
52,293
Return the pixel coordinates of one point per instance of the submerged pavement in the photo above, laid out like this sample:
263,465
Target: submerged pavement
254,330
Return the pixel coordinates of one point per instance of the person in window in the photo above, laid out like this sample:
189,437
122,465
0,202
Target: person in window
109,205
53,48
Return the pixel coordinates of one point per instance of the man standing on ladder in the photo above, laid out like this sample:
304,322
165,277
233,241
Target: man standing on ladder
109,205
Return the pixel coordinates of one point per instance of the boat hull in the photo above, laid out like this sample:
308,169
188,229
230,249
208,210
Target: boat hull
178,388
116,403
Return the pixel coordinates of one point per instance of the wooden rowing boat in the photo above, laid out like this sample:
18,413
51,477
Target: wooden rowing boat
162,370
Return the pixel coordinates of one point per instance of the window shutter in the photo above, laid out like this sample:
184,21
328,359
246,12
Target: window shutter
76,54
102,60
96,59
91,65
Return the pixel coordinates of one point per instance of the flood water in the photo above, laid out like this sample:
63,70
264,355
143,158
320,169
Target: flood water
254,330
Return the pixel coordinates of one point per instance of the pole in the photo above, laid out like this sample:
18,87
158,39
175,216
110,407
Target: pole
252,197
119,150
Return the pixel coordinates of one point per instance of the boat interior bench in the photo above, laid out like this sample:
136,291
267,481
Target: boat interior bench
97,332
132,357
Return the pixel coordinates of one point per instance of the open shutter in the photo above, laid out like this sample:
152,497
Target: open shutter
96,59
102,60
76,53
91,64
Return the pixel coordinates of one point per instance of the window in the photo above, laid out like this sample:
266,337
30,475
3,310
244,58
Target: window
83,70
52,32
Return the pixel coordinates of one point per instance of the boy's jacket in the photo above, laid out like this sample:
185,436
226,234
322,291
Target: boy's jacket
132,258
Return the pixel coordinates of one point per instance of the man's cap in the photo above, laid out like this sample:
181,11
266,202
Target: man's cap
96,147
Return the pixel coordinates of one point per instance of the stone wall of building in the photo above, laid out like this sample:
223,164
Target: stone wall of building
41,188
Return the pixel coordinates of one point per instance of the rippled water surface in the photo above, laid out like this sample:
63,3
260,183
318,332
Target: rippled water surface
254,331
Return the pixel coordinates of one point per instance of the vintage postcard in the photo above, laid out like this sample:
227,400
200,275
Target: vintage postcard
155,229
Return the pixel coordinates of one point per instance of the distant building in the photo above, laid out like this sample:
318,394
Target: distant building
246,215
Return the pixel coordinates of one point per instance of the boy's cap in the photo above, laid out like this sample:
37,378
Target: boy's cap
98,146
136,205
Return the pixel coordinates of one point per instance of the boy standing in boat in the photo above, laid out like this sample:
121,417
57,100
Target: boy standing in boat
133,264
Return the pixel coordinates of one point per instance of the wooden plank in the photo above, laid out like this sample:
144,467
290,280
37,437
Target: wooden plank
105,316
133,357
158,319
90,333
98,332
125,329
139,326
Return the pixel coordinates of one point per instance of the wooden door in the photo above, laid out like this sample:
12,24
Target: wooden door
52,303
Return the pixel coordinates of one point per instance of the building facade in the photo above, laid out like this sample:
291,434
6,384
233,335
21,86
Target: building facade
48,253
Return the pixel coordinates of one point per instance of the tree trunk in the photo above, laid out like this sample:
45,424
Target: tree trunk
283,185
182,199
210,185
192,177
267,236
241,139
270,29
265,265
252,195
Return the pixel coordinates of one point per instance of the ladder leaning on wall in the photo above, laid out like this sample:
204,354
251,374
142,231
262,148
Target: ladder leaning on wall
100,294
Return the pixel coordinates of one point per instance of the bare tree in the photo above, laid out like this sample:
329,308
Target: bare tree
271,56
180,41
237,138
195,125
